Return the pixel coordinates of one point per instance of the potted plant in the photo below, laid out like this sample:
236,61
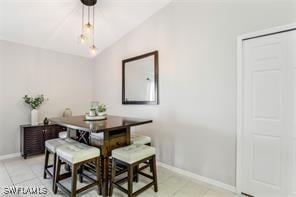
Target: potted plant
101,110
34,104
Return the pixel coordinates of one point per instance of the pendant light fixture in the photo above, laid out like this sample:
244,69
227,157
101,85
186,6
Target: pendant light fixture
88,28
93,49
83,38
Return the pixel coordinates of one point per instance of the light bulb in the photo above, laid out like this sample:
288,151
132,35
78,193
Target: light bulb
87,28
83,38
93,50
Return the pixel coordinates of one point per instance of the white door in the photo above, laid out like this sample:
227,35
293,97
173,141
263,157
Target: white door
268,127
292,132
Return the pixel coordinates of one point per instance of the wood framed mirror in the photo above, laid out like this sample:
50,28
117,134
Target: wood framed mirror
140,80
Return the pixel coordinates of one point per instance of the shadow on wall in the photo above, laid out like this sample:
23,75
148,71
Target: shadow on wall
195,148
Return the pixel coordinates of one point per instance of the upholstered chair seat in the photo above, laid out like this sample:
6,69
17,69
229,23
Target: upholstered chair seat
97,136
133,153
53,144
140,139
63,135
77,152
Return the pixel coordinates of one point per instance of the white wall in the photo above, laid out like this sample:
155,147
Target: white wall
64,79
195,124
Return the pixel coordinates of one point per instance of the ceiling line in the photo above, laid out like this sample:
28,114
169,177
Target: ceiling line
60,25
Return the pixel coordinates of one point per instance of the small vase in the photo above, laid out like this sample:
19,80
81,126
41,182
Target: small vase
45,121
34,117
67,112
92,113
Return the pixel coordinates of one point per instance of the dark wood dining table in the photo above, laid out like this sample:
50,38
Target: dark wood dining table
116,132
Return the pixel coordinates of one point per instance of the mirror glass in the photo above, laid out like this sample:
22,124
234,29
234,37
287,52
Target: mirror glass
140,79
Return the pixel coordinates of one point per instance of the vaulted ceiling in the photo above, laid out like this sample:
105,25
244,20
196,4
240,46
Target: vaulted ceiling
56,24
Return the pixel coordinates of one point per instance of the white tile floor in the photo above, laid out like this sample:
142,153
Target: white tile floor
20,172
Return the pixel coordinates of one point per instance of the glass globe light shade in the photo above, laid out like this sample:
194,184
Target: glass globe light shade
87,29
93,50
83,38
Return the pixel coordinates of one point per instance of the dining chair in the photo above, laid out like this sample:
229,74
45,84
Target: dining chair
141,139
77,155
132,156
50,148
63,135
145,140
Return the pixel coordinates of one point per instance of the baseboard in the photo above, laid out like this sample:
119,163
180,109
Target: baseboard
9,156
198,177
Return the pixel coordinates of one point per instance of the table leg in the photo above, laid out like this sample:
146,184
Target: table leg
105,176
68,133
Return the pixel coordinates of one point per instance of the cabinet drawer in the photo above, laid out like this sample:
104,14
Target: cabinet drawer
117,142
34,140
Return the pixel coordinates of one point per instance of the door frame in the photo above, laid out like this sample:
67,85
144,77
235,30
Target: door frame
240,74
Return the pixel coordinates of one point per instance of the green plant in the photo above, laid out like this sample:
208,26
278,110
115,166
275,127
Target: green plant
36,102
93,109
102,108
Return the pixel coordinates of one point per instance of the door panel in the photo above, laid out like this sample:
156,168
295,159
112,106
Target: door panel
264,116
266,149
266,84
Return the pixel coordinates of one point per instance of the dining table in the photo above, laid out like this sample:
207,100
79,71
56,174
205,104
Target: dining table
115,132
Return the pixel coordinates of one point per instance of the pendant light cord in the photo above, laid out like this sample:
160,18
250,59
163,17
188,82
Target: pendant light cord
88,14
82,22
93,25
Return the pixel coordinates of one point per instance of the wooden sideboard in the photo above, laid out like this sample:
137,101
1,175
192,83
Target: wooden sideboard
33,137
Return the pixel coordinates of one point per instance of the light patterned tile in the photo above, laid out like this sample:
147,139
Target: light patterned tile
37,169
16,167
176,181
5,179
117,193
163,174
163,191
59,194
91,193
217,192
46,182
4,182
192,189
33,188
170,184
19,178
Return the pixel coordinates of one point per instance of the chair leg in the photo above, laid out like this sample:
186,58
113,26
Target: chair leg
74,180
153,161
80,174
113,174
98,173
130,180
54,170
151,166
57,175
45,163
136,175
67,168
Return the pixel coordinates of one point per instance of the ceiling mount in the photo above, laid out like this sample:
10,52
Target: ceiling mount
89,2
